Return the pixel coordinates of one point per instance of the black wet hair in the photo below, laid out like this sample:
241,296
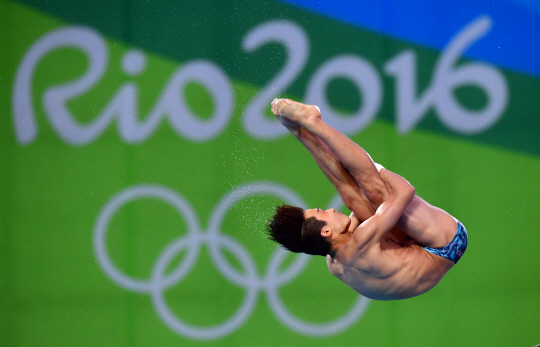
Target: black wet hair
294,232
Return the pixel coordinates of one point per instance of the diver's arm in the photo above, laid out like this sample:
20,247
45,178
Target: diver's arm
401,193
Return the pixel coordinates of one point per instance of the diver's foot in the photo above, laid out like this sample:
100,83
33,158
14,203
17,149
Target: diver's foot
297,112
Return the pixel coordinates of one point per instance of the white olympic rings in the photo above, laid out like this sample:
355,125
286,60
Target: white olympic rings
216,240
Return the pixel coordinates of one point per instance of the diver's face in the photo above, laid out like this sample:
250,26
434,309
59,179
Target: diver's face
335,221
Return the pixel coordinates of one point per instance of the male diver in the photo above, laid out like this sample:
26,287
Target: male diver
394,245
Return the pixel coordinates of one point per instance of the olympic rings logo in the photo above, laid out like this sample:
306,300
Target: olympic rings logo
249,279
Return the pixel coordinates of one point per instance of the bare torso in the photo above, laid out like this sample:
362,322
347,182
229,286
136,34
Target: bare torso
388,270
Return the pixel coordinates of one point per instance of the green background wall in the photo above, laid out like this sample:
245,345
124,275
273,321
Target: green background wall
56,187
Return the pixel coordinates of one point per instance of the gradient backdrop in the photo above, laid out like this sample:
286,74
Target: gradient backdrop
139,161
